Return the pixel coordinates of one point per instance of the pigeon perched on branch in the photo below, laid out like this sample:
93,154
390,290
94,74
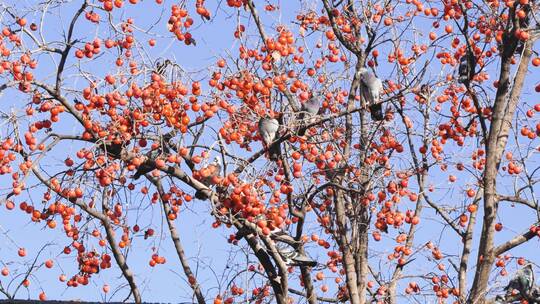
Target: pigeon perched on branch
295,258
291,256
309,110
467,65
523,281
371,88
268,128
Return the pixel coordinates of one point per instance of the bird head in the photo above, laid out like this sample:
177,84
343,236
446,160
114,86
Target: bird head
362,72
312,105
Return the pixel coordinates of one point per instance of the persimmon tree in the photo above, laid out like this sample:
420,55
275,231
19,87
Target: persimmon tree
111,135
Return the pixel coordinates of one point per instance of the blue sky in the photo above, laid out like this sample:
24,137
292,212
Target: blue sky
166,283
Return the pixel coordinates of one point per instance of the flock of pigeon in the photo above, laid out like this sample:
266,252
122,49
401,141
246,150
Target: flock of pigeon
370,88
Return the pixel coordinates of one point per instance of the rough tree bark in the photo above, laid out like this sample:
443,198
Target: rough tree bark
506,102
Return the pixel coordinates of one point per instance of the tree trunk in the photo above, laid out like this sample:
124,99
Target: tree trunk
362,255
503,113
348,259
121,261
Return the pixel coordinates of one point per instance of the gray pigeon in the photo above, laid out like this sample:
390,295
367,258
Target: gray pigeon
209,172
310,108
291,256
523,281
467,64
371,88
268,128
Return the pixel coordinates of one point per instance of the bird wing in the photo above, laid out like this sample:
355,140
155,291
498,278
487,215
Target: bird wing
311,106
303,260
375,87
294,258
268,129
364,91
527,277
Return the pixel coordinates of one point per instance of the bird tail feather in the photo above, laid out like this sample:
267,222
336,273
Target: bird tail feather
302,127
302,130
376,112
273,152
